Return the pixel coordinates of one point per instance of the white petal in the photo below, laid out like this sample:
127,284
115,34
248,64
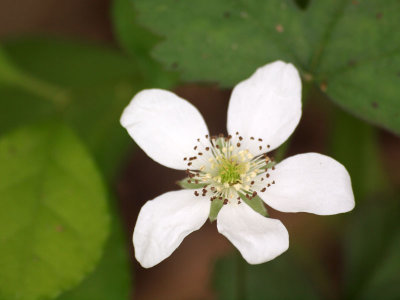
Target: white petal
310,182
164,222
267,105
258,239
164,125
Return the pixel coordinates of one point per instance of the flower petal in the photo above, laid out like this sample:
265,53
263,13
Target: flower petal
258,239
164,125
267,105
164,222
310,182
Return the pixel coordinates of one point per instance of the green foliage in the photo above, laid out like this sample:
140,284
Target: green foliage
53,212
278,279
373,251
95,83
111,278
347,48
355,144
137,42
7,71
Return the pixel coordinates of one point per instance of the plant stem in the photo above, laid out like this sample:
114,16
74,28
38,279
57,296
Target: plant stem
12,75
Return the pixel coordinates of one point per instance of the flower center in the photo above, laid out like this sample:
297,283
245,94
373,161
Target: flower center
230,171
227,170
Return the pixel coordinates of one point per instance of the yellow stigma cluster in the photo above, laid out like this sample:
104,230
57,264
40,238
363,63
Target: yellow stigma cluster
226,171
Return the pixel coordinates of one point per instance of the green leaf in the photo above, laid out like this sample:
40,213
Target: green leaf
372,253
138,42
53,212
355,144
7,71
111,278
347,48
280,278
96,82
11,75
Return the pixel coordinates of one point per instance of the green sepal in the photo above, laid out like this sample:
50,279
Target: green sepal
256,204
269,165
189,186
216,206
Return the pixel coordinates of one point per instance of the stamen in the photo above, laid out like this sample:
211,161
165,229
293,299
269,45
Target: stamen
226,168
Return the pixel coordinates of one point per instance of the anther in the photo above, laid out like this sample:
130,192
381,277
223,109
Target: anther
189,164
207,148
185,158
252,137
238,144
252,182
237,132
254,194
196,193
225,201
263,190
273,182
267,175
195,147
260,147
240,138
260,140
200,153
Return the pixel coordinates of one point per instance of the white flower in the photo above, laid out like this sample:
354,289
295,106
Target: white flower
263,112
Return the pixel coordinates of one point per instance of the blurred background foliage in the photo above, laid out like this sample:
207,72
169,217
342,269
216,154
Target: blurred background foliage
66,164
